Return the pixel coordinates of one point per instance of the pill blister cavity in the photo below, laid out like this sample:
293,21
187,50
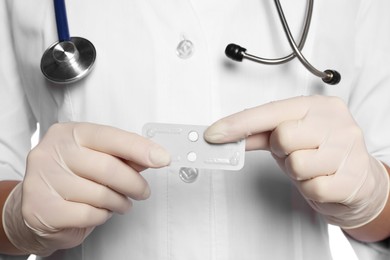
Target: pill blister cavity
191,156
193,136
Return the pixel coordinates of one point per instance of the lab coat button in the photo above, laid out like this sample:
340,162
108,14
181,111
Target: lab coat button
188,174
185,49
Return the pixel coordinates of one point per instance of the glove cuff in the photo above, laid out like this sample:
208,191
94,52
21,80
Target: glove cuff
369,208
15,228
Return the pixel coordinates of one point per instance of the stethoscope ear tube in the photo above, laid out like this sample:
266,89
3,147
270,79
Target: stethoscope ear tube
238,53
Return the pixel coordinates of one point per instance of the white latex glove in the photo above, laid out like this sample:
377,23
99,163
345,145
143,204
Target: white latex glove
76,177
318,144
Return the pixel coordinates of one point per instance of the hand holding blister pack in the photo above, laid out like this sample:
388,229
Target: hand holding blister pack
69,189
316,141
187,147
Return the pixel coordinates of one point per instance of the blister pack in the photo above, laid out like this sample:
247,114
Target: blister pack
188,148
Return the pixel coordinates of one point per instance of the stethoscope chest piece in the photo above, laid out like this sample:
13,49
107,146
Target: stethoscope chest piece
68,61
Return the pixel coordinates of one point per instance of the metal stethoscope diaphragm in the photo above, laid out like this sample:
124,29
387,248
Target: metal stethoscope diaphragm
71,58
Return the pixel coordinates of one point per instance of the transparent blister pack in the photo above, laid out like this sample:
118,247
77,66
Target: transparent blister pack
188,148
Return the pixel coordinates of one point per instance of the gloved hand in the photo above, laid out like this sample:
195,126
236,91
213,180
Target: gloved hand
78,175
318,144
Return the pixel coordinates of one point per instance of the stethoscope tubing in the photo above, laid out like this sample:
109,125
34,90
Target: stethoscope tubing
71,58
238,53
302,41
294,46
61,20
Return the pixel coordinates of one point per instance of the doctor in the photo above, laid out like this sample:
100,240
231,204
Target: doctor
93,188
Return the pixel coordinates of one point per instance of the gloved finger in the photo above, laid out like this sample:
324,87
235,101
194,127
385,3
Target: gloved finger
68,238
136,167
76,189
327,189
332,211
257,120
290,136
258,142
329,157
310,163
57,214
108,171
120,143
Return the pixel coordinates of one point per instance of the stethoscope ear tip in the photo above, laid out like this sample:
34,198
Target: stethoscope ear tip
333,77
235,52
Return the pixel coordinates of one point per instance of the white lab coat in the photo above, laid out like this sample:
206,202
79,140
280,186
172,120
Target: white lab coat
255,213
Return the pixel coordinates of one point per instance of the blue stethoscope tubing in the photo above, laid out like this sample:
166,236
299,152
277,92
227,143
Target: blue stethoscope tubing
61,20
69,59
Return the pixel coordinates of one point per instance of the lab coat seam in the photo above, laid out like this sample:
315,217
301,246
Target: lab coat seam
41,103
210,71
13,170
297,233
16,154
68,98
310,47
82,251
167,209
18,64
44,19
213,220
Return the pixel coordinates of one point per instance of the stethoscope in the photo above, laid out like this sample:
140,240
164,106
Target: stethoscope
72,58
238,53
